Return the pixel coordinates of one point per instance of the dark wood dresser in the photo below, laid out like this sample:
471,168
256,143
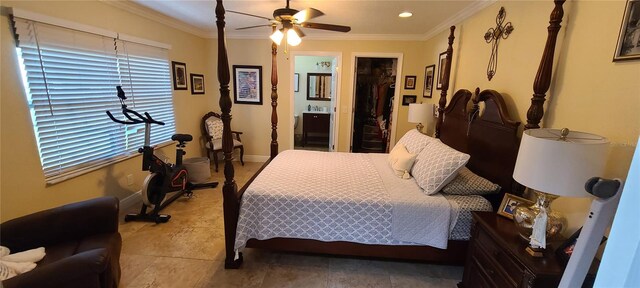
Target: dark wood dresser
315,128
497,257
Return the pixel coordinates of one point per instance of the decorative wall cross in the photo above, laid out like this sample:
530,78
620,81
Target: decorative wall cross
494,35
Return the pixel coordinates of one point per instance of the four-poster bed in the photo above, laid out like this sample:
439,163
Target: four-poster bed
490,138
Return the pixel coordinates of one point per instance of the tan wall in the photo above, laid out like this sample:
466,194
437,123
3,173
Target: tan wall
22,188
589,92
255,119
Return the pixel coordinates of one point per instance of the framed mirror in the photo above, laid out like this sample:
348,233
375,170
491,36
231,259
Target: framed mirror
319,86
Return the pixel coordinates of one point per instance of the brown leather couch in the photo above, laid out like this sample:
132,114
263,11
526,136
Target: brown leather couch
81,241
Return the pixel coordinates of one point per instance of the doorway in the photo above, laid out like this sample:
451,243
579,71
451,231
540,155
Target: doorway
373,104
314,96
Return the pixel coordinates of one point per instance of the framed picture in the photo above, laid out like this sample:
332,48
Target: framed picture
247,84
442,59
428,81
296,82
197,83
179,75
509,203
628,46
408,99
410,82
565,250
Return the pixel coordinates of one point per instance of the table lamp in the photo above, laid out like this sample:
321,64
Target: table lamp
419,113
554,163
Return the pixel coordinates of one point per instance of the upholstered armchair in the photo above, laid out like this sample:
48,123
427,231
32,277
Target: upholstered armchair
81,242
212,135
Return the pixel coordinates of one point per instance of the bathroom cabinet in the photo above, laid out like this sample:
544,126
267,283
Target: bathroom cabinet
315,128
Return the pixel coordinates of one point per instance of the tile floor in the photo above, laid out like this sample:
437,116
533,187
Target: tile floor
188,251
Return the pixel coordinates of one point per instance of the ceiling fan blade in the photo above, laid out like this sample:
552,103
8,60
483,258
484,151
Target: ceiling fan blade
247,14
330,27
307,14
249,27
300,33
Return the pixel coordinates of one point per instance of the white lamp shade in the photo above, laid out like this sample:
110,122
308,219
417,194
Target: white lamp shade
277,36
561,167
292,38
418,113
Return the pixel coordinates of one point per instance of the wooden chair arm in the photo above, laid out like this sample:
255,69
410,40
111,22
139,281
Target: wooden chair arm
237,135
237,132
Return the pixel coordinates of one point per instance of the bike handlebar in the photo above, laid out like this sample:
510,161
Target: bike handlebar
126,112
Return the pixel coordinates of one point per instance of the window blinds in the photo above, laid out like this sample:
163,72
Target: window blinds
70,78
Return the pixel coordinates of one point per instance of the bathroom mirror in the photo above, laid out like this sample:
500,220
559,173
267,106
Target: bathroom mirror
319,86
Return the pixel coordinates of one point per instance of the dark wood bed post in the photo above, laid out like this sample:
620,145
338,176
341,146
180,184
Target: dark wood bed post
274,97
543,77
442,103
229,189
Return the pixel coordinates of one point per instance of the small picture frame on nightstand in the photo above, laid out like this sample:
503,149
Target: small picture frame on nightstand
509,203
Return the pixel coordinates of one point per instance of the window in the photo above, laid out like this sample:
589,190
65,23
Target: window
70,78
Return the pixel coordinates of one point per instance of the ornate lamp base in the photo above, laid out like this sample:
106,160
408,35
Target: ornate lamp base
524,217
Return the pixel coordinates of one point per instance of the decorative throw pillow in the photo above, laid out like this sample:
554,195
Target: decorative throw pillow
401,161
415,141
214,125
468,183
437,166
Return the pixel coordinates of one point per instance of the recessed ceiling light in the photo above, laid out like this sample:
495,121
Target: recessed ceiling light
405,14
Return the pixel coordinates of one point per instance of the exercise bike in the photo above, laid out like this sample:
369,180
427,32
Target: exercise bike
164,177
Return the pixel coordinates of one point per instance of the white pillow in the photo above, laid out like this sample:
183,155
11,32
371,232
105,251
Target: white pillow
401,161
415,141
437,166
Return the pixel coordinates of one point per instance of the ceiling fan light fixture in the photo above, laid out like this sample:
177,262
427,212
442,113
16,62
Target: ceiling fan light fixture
277,36
292,38
405,14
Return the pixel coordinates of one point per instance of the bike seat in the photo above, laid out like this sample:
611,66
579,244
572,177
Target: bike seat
182,137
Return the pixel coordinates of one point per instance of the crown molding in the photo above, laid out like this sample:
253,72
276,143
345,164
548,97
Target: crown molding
150,14
458,17
341,36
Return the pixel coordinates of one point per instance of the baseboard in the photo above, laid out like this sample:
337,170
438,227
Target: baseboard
130,201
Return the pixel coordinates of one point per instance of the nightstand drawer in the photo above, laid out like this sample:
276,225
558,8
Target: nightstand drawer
497,255
477,276
490,269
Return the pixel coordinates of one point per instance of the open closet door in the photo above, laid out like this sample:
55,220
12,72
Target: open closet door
332,108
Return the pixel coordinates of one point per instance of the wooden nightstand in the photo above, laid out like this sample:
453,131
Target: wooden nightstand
496,257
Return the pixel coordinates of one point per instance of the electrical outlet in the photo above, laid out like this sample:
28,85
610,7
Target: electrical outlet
130,179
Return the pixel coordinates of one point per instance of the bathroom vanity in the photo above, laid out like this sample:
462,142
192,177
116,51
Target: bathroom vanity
315,127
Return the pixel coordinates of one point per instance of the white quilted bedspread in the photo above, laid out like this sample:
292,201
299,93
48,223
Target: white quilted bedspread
334,197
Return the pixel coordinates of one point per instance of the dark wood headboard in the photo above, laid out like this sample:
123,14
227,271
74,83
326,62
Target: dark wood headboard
489,135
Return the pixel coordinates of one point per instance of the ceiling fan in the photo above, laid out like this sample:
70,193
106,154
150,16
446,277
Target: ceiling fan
291,21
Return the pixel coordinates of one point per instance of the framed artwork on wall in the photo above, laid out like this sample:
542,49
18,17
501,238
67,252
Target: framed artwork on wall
442,59
247,84
296,82
410,82
428,81
628,46
197,83
179,75
408,99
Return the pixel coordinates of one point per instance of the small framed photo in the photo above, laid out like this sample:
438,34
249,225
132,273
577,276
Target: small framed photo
428,81
408,99
410,82
296,82
197,83
628,46
442,60
509,204
179,75
565,250
247,84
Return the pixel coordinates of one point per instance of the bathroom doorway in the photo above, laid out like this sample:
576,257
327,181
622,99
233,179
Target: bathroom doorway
314,98
374,101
